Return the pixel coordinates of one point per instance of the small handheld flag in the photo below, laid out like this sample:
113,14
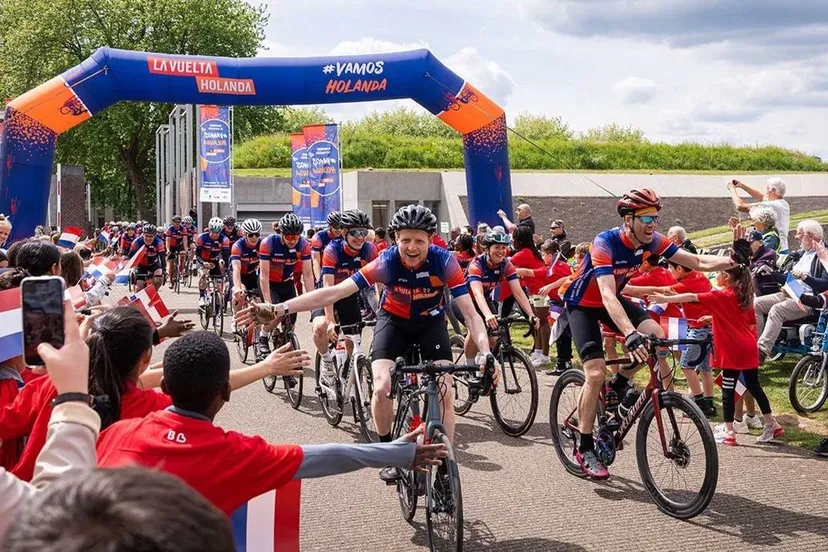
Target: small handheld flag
70,236
674,328
269,522
150,303
11,324
738,385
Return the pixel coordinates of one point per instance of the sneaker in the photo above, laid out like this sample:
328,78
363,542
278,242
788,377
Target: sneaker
754,422
390,475
591,465
533,355
203,301
723,436
540,360
740,426
822,448
771,433
706,406
264,346
559,369
328,372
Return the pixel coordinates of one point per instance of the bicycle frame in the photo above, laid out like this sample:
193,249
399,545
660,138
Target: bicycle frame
352,382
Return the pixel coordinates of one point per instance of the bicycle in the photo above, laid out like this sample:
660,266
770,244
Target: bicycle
444,500
246,337
211,311
176,275
808,384
669,410
353,381
517,375
293,384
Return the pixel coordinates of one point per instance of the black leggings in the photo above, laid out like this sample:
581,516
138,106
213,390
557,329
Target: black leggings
729,381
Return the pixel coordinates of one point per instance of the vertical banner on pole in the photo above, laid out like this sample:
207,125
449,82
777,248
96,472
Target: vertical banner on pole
214,153
299,173
58,220
322,142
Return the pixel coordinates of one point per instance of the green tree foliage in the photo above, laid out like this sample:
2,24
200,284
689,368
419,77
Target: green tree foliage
42,38
541,127
297,118
614,132
402,122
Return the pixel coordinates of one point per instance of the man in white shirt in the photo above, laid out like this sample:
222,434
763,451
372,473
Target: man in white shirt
772,197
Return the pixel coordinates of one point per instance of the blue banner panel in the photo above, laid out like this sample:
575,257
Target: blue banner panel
322,143
214,153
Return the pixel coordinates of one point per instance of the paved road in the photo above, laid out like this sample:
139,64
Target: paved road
517,496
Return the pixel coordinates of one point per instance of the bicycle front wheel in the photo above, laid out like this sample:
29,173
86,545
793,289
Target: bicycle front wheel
462,400
218,316
294,384
515,400
444,505
808,386
681,479
362,400
204,315
563,418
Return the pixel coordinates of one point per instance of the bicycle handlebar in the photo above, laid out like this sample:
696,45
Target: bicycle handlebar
512,319
430,368
654,342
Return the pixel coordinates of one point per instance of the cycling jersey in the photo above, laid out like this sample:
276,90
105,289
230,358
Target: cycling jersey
191,231
153,251
246,255
414,293
490,276
233,235
321,239
342,262
125,244
175,236
464,258
282,259
611,253
210,250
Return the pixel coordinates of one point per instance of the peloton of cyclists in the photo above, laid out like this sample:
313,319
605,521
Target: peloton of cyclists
212,251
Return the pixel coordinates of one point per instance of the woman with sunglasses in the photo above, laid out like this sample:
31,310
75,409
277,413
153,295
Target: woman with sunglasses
244,261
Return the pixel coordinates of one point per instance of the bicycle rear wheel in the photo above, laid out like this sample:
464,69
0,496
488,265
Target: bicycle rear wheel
361,402
204,315
331,407
444,503
808,386
294,384
515,400
683,481
563,418
218,316
462,400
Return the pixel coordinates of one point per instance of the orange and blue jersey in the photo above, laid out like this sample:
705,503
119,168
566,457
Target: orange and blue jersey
321,239
611,253
210,250
248,256
342,262
489,276
414,293
125,244
233,235
190,229
153,250
175,236
283,259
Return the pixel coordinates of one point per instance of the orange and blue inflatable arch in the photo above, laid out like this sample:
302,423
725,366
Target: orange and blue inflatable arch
34,120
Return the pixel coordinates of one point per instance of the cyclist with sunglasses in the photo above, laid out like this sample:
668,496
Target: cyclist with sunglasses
281,255
212,248
320,241
593,295
244,258
341,260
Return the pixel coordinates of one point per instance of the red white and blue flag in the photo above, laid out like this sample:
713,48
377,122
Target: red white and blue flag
122,277
101,267
738,385
674,328
104,236
150,304
11,324
76,296
269,522
70,236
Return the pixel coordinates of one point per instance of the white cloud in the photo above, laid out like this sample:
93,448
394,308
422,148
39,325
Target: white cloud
368,45
486,75
635,90
271,48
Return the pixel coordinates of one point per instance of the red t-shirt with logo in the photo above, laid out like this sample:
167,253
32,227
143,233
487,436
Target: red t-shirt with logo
226,467
694,282
659,276
734,331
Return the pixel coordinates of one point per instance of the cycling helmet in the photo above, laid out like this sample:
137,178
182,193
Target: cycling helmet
334,219
638,198
496,235
176,218
188,220
414,217
150,229
290,224
131,226
215,224
355,219
228,220
252,226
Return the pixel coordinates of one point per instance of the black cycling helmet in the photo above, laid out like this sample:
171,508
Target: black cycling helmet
150,229
414,217
355,219
176,218
228,220
638,198
290,224
496,235
335,219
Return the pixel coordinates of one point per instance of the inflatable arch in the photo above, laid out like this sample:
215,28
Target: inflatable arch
34,119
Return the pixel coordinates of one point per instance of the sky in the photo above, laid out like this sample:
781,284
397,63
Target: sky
710,71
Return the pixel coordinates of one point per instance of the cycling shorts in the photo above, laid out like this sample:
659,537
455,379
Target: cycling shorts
216,271
585,324
146,272
250,281
393,335
175,250
282,291
346,311
493,307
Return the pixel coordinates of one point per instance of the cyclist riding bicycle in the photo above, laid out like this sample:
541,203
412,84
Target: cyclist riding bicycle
321,239
214,248
177,245
279,255
125,241
593,295
230,230
189,226
485,274
342,258
414,275
244,260
151,264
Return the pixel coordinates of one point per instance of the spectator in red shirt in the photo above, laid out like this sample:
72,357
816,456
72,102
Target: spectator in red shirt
527,260
438,240
557,271
464,250
379,239
652,275
11,378
229,468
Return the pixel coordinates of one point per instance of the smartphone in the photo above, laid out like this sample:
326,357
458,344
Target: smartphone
42,306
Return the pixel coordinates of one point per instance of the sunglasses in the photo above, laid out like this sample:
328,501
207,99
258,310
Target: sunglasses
252,235
358,233
291,236
648,219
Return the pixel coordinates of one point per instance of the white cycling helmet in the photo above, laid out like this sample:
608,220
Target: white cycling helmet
215,224
252,226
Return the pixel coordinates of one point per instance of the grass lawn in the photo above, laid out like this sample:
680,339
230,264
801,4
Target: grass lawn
285,171
802,431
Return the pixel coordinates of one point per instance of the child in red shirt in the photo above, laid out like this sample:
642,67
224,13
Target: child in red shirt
557,271
735,346
527,260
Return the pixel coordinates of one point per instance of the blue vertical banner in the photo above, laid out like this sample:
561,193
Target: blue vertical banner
299,171
214,147
322,143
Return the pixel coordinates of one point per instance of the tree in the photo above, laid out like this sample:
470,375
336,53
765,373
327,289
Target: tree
614,132
299,117
42,38
541,127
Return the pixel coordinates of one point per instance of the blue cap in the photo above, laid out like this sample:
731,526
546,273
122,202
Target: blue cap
754,235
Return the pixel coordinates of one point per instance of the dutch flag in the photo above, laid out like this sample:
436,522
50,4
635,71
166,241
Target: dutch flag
76,296
11,324
150,304
104,236
122,277
739,387
70,236
269,522
100,267
674,328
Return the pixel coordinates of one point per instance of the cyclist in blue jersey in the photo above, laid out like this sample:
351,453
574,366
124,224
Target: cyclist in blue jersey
177,244
413,274
244,258
321,239
151,264
342,258
230,230
125,241
593,295
212,252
